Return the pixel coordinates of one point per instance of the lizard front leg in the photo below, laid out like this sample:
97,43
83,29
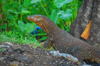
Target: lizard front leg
48,43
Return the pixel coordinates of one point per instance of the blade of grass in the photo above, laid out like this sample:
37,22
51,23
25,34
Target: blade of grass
44,9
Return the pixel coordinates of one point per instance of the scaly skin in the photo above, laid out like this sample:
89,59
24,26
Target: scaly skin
64,42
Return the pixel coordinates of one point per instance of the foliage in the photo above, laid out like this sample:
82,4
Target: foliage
15,12
18,40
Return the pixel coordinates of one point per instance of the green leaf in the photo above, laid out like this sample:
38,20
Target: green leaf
21,25
25,12
15,12
27,3
10,17
9,32
43,38
26,27
54,16
65,15
3,26
29,27
60,3
35,1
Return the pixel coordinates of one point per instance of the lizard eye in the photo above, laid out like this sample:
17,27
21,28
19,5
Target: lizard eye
39,19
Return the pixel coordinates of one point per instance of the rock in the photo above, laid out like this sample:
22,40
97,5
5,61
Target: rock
65,55
8,43
11,51
24,58
2,58
14,63
23,55
4,46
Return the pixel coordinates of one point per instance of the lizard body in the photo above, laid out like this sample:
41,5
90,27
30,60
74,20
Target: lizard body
64,42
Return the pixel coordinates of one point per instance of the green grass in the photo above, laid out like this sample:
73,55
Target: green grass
4,37
15,27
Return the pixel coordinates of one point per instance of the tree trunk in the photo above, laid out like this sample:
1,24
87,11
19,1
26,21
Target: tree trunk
89,10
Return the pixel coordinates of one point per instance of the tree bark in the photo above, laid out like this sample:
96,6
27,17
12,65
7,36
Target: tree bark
89,10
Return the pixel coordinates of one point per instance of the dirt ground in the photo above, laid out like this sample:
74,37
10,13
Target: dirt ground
23,55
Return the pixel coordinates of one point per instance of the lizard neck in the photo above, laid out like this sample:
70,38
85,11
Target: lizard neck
49,26
50,29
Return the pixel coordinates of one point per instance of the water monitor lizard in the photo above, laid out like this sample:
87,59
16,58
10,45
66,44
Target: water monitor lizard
64,42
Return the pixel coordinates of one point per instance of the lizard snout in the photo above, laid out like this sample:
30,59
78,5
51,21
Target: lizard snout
30,18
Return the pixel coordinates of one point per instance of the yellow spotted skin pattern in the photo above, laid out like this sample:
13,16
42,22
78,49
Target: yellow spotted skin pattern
64,42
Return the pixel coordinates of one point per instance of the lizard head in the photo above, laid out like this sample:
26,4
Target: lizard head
38,19
42,21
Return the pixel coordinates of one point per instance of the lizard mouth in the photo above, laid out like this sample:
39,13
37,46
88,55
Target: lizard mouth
29,18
